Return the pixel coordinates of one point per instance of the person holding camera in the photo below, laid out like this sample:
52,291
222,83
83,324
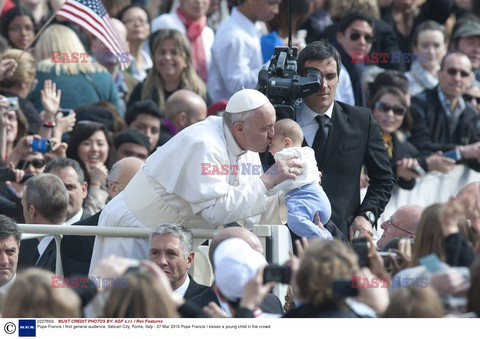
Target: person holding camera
344,138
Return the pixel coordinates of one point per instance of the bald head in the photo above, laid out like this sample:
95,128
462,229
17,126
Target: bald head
121,173
184,108
287,128
402,223
234,232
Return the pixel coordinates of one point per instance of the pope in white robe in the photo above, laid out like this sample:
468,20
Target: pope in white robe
203,179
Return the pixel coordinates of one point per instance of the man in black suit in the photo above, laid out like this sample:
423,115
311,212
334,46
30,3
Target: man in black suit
71,174
45,201
270,304
344,139
77,250
171,248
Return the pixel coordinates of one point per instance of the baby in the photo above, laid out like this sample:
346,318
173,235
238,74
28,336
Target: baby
304,197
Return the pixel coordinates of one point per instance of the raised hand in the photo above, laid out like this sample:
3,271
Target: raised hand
50,97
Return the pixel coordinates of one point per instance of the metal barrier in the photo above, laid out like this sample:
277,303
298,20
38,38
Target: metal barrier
202,273
39,230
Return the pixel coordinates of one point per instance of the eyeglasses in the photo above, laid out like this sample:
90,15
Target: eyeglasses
454,71
401,229
399,110
37,163
368,38
469,97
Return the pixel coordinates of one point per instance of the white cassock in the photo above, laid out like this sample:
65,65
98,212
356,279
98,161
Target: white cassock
184,182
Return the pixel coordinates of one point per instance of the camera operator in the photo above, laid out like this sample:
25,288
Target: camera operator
344,138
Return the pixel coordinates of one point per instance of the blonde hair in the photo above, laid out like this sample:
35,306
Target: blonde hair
32,296
144,297
189,77
324,261
25,70
290,129
63,39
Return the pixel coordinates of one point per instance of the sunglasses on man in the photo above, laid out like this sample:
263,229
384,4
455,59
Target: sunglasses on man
368,38
454,71
469,98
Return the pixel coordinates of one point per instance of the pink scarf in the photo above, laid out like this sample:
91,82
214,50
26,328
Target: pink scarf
194,34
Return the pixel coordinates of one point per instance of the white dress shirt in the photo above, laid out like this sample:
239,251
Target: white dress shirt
43,244
306,120
183,289
344,91
236,57
75,218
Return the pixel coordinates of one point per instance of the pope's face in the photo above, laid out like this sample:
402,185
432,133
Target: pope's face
257,134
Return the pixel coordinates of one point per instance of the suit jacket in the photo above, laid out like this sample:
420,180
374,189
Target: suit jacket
270,304
193,289
76,250
10,204
433,130
354,139
402,148
26,257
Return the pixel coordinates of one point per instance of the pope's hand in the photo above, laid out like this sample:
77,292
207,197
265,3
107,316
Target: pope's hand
283,169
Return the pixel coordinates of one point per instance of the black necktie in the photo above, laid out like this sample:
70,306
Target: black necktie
321,137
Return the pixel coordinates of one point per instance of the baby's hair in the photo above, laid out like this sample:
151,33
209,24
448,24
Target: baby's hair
290,129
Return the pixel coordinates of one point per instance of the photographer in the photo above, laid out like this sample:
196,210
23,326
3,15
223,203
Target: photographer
344,138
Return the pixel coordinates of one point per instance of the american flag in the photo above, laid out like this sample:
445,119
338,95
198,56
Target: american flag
92,16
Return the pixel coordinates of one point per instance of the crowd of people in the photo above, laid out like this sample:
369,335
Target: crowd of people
184,139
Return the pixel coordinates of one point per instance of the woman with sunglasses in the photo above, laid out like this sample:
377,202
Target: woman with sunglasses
390,110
